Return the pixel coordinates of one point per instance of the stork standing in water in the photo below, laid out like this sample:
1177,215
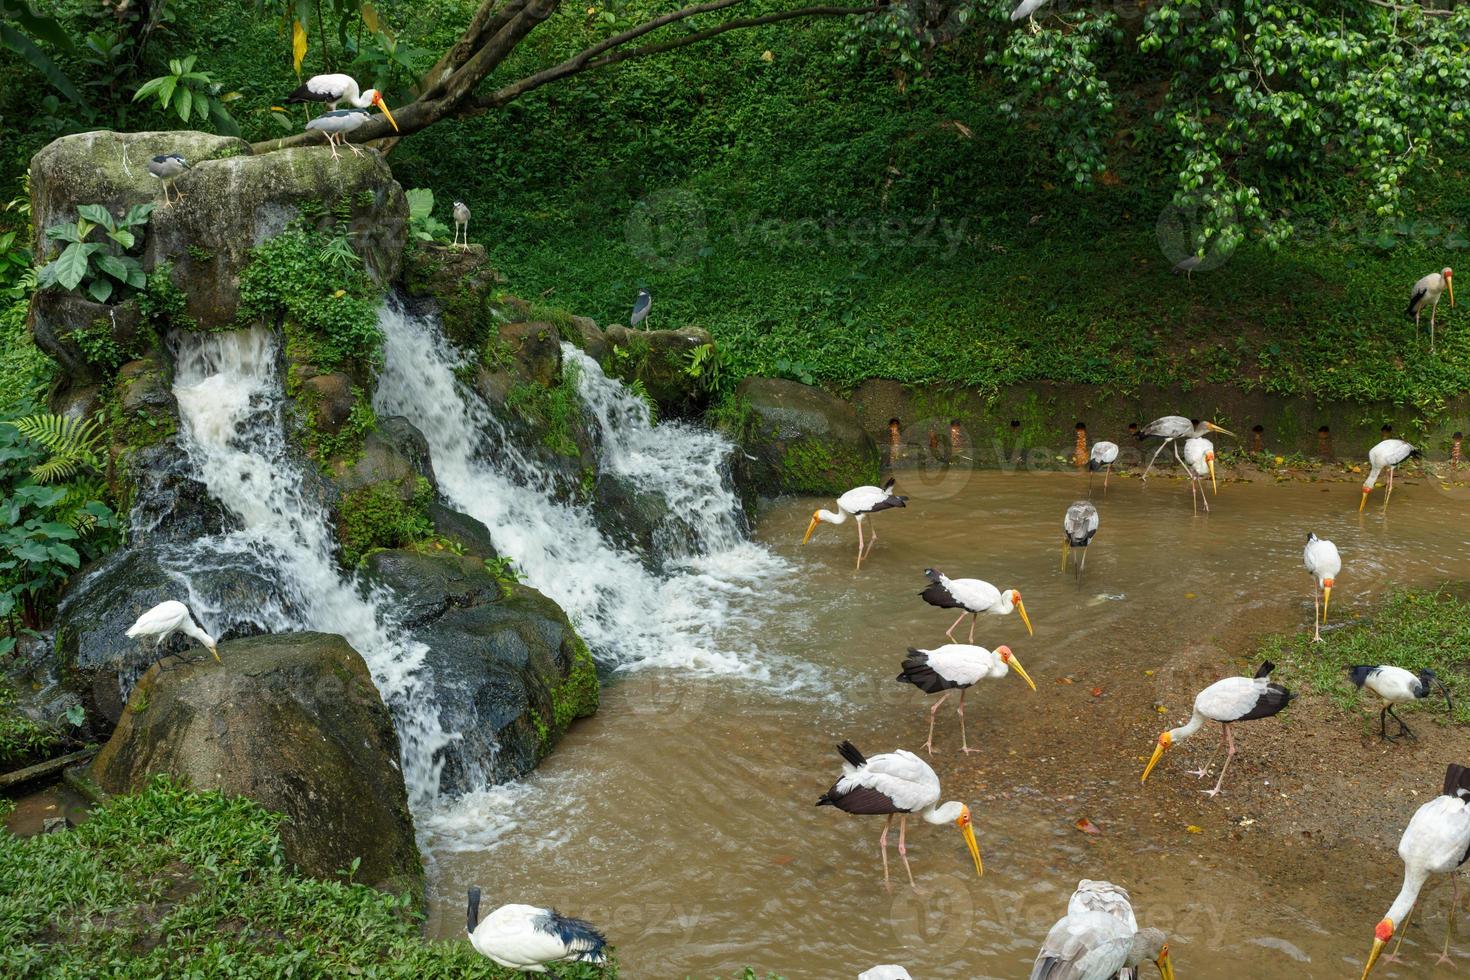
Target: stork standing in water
524,937
897,783
1104,454
1079,524
858,503
168,167
956,666
1199,462
1437,841
1099,939
1395,685
330,90
1227,701
1426,292
1171,428
973,596
1387,454
461,214
1323,563
166,619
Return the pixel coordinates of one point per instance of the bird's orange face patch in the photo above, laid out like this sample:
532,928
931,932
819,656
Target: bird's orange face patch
1384,932
1327,583
964,818
1005,653
1166,740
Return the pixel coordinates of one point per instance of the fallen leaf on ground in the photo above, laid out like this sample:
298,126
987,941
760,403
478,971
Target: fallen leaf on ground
1192,829
1087,826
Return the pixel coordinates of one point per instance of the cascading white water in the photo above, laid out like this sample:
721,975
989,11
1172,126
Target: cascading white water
630,617
230,402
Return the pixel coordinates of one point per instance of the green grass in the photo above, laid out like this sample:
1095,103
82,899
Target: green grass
176,883
1412,629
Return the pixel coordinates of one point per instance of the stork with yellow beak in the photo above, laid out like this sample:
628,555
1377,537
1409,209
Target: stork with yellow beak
972,596
957,666
1437,841
897,783
1199,461
1172,428
1226,701
858,503
1323,563
1426,292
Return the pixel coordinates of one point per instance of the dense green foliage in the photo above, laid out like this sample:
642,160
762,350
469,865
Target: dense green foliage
23,740
1413,629
172,883
377,516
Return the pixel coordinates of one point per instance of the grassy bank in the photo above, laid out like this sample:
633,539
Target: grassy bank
172,882
1413,629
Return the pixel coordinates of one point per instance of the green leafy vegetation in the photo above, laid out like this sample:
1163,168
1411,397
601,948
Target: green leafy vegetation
503,569
25,372
377,516
172,882
23,741
190,91
1413,629
421,221
98,267
552,409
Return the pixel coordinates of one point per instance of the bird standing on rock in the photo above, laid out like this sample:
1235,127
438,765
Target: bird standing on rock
641,305
461,224
166,619
167,167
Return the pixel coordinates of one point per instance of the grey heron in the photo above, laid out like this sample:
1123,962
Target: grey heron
1387,454
957,666
1427,292
167,167
525,937
336,88
1323,563
1172,427
1079,524
1395,685
641,306
166,619
461,223
858,503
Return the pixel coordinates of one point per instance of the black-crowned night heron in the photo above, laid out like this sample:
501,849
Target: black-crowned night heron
1027,9
336,125
167,167
641,306
461,221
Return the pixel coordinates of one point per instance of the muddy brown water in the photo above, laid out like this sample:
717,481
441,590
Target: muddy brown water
681,818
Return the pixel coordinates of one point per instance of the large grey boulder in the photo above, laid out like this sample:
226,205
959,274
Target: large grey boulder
294,722
661,360
803,439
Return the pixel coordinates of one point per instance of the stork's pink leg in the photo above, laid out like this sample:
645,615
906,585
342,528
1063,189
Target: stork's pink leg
860,545
1390,488
973,617
1154,457
934,713
1316,617
1229,754
1107,473
1201,773
1444,956
950,632
964,744
872,539
1394,956
903,849
883,848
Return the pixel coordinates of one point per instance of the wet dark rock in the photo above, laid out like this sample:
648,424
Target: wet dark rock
331,399
590,338
57,318
294,722
169,504
631,518
469,532
394,452
660,359
803,439
460,283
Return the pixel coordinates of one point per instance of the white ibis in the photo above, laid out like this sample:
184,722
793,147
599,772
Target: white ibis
1099,939
1437,841
166,619
1104,454
1173,427
896,783
1427,292
524,937
1027,9
1387,454
973,596
1227,701
1395,685
641,305
461,214
333,89
957,666
1199,462
1079,524
858,503
1323,563
167,167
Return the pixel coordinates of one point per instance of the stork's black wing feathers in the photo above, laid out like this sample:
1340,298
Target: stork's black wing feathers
851,755
1271,702
304,94
888,484
1265,669
1415,300
887,502
1456,779
916,671
863,800
938,595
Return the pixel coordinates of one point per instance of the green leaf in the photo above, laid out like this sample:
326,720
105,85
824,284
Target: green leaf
420,203
63,233
100,289
65,554
184,103
16,41
113,266
149,87
123,237
71,265
96,214
166,91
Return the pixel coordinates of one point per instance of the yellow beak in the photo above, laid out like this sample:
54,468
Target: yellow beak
1224,432
969,831
1378,945
1158,754
809,529
1166,967
1021,608
1364,501
1450,284
1326,598
1016,665
1210,460
384,106
216,655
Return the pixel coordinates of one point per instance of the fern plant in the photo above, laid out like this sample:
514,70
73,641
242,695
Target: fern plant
73,445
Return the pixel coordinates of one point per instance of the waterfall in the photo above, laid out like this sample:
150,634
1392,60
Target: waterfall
231,403
630,616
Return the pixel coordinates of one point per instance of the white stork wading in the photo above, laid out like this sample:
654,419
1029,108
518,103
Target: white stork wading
896,783
166,619
972,596
858,503
1426,292
1388,454
1102,457
461,215
168,167
330,90
1323,563
957,666
1171,428
1227,701
1437,841
1395,685
1099,939
1079,525
1199,461
524,937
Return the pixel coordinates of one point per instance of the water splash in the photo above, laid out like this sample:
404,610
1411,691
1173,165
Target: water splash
231,403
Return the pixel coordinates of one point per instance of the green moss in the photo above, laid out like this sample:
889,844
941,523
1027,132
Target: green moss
810,465
558,317
577,696
553,409
376,516
163,303
171,882
22,740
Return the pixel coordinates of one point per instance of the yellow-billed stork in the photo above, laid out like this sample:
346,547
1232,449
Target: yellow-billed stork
1079,524
166,619
1426,292
1227,701
858,503
1199,462
1103,455
1323,563
974,596
333,89
1437,841
1387,454
528,938
896,783
957,666
1171,428
1395,685
1099,939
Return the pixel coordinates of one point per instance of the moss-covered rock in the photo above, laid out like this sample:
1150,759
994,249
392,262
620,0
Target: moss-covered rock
803,439
467,532
460,282
88,340
660,360
379,515
293,722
